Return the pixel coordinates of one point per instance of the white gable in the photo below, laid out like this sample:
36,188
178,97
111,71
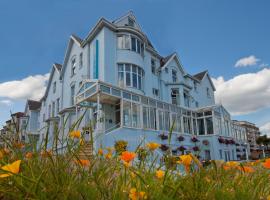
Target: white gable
127,20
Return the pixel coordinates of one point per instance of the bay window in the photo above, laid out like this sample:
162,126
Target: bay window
130,75
130,42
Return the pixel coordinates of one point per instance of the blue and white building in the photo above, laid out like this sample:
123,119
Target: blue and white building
116,78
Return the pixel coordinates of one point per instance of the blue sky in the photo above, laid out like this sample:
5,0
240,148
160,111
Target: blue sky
207,34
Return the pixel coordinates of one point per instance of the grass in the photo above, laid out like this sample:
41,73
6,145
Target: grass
110,174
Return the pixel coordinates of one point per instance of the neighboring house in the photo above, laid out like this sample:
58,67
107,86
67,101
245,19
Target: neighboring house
32,113
116,78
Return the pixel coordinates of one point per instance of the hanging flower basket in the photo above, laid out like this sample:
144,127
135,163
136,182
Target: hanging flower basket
180,138
163,136
164,147
221,140
182,148
196,148
205,142
232,141
194,139
227,141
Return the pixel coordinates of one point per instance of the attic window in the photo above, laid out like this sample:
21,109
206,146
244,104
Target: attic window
131,22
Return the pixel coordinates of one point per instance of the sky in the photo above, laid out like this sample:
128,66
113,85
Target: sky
228,38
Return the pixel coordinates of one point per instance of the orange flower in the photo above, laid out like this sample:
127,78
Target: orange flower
75,134
152,146
266,164
246,169
29,155
83,163
128,156
19,145
160,174
45,154
14,168
108,156
136,195
185,160
100,152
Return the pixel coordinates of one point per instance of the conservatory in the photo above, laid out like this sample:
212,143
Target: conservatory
117,107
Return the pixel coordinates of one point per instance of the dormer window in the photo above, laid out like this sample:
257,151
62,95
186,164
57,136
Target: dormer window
174,76
131,22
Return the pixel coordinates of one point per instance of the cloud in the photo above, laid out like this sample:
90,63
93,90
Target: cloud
265,129
247,61
31,87
244,93
6,102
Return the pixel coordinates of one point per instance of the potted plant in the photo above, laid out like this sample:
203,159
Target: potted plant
221,140
196,148
164,147
163,136
194,139
180,138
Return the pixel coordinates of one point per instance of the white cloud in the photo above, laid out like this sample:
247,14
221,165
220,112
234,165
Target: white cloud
244,93
247,61
265,129
31,87
6,102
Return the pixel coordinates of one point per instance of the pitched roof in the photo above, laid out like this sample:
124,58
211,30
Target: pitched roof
165,59
33,105
200,75
18,114
78,39
58,66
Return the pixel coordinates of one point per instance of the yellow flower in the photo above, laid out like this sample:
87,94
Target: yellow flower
134,195
100,152
152,146
232,164
160,174
126,164
128,156
75,134
14,168
81,141
108,156
185,160
142,195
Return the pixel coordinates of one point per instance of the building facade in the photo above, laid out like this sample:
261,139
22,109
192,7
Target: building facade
117,79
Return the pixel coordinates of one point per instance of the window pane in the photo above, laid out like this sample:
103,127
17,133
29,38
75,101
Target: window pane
127,67
145,117
209,125
120,67
120,42
128,80
133,44
152,117
121,79
201,126
140,82
134,79
138,46
160,120
126,113
135,115
127,42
